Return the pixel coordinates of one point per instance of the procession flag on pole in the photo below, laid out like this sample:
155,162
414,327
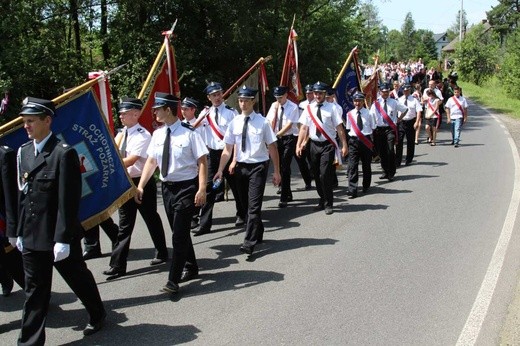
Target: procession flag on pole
348,82
165,79
79,123
255,77
290,73
102,91
371,85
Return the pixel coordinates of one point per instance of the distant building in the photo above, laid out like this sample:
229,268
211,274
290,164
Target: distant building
441,41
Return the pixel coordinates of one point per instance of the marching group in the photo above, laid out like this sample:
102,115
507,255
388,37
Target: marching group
41,184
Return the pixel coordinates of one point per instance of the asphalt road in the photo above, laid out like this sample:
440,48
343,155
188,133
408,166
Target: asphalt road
402,265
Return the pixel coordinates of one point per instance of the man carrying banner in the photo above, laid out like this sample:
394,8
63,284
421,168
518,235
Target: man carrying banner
361,124
320,121
216,120
181,154
133,142
283,117
254,141
49,231
385,110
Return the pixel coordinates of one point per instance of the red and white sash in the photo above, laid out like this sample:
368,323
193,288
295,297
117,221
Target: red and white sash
430,106
319,125
275,119
216,129
387,118
358,132
458,104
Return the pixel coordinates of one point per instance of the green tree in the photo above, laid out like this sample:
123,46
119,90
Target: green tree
505,17
510,69
476,56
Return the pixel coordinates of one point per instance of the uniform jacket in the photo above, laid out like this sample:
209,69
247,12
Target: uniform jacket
49,202
8,190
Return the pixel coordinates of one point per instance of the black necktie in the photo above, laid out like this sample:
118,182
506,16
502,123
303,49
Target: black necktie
244,132
166,154
280,120
386,110
122,151
406,100
359,121
216,116
318,114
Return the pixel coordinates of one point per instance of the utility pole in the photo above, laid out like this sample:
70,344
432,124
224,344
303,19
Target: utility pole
461,20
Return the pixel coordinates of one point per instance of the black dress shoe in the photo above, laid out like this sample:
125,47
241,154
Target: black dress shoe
7,286
246,249
92,328
194,224
365,189
157,261
408,163
290,198
113,271
170,288
319,207
239,222
87,255
279,191
353,195
328,210
201,231
308,187
188,275
390,178
384,176
282,205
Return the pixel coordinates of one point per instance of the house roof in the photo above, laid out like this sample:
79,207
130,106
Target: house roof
451,46
438,37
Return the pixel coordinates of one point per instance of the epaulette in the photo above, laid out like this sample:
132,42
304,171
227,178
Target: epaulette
188,126
300,108
5,147
27,143
140,129
230,108
65,145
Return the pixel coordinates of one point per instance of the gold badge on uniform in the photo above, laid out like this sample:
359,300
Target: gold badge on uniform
25,176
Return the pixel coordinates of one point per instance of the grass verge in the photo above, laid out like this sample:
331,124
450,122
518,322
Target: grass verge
493,97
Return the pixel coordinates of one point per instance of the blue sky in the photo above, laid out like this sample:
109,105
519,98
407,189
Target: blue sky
434,15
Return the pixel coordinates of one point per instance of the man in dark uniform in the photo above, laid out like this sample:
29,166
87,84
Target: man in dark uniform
216,121
11,266
360,124
255,142
49,231
320,121
133,142
181,154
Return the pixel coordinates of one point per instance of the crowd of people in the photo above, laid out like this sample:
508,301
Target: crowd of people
196,158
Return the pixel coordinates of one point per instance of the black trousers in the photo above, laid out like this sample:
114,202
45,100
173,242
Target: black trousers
251,180
38,267
322,160
358,151
179,198
385,143
11,265
405,130
286,150
127,215
303,165
91,239
206,211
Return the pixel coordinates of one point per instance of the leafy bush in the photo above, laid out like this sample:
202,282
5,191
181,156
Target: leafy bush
510,70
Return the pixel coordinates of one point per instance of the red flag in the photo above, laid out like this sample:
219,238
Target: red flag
102,91
290,73
264,86
165,81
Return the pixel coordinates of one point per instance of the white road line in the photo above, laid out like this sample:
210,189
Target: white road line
478,313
